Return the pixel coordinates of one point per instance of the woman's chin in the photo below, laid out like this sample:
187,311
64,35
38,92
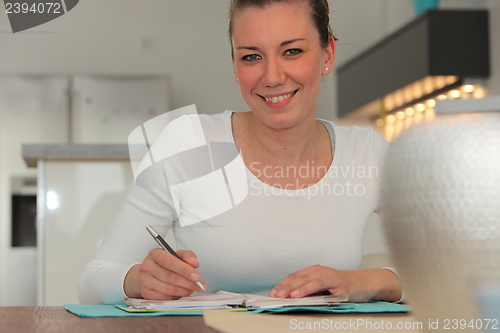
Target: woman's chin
280,120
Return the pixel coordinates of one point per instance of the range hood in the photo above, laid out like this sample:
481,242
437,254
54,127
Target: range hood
441,51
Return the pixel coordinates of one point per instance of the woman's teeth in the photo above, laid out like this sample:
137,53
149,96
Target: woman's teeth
279,98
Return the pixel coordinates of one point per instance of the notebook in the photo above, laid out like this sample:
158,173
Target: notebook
228,300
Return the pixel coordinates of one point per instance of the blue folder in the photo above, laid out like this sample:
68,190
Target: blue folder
84,310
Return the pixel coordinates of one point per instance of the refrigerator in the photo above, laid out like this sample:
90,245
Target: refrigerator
50,108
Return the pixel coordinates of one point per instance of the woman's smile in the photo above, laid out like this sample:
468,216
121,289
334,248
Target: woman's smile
279,100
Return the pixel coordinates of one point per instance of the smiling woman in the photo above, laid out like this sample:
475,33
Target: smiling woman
279,66
297,241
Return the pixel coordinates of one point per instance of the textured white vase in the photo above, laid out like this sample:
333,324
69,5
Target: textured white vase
441,212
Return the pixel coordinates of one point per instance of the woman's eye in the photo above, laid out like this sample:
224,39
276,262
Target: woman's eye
293,52
251,57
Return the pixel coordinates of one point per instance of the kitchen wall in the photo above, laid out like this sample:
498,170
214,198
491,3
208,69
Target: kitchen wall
188,41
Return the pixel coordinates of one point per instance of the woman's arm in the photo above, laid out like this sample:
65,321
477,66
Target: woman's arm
127,243
360,285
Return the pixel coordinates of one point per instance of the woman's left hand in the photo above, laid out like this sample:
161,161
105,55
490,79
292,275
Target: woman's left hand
358,285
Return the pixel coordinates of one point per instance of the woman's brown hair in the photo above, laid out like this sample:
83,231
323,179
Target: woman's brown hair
320,11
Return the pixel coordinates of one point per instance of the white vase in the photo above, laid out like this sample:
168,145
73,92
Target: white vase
441,212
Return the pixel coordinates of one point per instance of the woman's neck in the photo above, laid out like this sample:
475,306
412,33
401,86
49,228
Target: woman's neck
288,146
269,152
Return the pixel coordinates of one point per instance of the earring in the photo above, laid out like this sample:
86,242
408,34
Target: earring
326,68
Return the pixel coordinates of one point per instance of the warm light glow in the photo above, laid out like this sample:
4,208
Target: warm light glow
451,79
389,102
428,85
391,119
430,114
439,82
418,89
479,92
408,94
469,88
455,93
417,118
398,98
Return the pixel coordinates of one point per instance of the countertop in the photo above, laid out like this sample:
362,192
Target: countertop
74,151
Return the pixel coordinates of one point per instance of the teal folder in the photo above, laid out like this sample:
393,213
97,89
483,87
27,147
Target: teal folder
101,310
84,310
373,307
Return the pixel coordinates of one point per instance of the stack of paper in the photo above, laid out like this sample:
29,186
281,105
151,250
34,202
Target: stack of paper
263,302
226,300
198,302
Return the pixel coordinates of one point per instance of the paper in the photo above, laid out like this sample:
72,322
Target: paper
198,302
184,311
227,300
263,302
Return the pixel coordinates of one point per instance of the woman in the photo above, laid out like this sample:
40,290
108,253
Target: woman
296,233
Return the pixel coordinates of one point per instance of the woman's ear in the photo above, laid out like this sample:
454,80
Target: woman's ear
329,56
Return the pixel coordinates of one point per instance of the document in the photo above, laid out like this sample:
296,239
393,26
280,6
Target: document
228,300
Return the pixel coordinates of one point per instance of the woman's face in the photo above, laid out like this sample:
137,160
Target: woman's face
278,62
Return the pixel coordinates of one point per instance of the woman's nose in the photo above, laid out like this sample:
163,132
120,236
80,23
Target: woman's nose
273,73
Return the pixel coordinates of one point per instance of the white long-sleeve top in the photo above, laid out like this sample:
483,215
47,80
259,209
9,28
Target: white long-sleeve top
270,234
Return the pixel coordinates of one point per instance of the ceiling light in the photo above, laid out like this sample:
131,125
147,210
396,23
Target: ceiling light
469,88
455,93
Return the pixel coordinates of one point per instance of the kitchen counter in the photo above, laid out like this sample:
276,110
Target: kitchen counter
73,151
80,187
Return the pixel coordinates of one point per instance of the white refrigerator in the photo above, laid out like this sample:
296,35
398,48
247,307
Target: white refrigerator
65,109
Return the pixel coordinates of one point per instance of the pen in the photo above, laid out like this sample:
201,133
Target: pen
167,248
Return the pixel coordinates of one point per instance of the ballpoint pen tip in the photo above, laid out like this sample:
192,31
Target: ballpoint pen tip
152,231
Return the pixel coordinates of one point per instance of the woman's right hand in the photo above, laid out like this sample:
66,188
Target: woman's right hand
163,276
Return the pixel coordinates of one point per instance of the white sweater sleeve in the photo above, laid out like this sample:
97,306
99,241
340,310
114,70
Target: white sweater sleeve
127,243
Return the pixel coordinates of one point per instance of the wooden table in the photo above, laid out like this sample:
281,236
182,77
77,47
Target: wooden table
240,322
54,319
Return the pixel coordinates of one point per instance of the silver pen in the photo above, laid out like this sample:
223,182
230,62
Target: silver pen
167,248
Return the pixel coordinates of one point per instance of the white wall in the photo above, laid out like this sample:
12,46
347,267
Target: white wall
185,39
188,41
31,110
493,83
